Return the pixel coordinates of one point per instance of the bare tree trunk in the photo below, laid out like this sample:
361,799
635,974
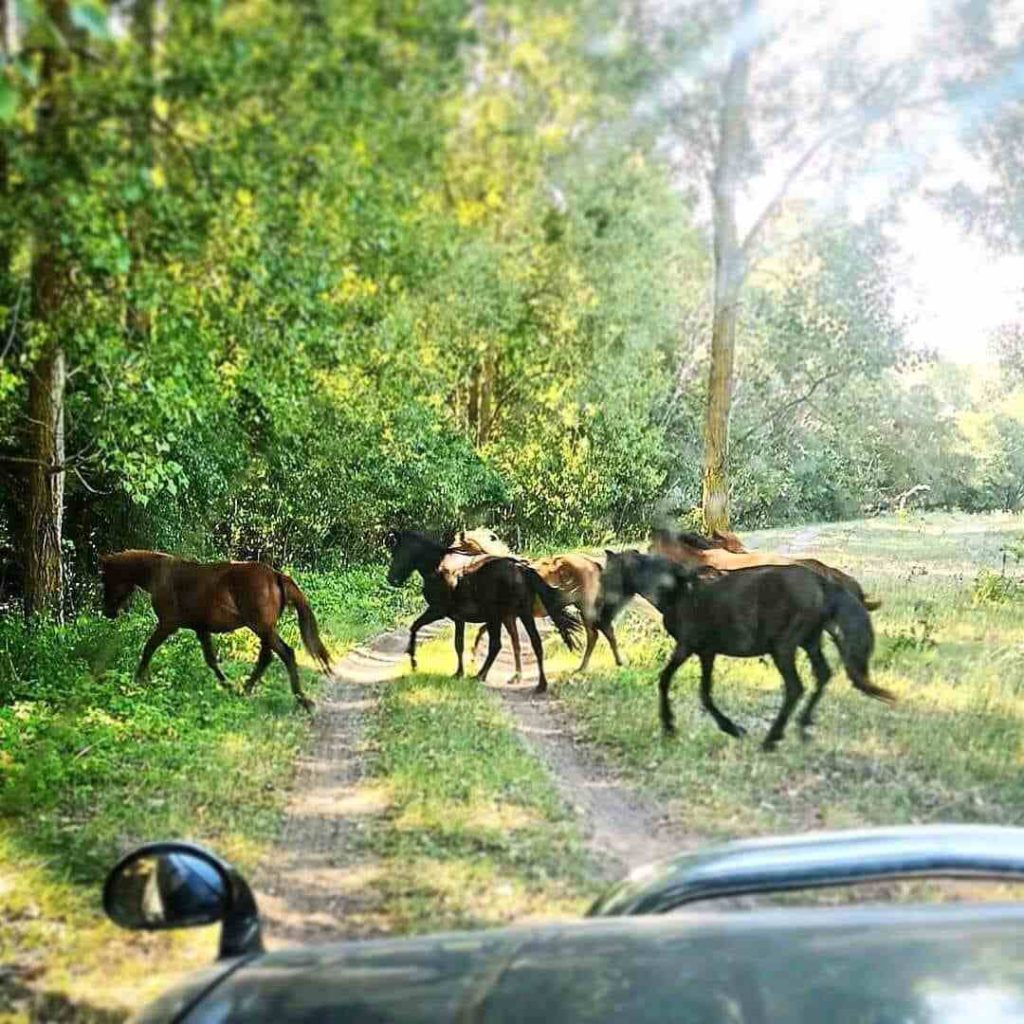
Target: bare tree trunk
8,46
729,272
44,578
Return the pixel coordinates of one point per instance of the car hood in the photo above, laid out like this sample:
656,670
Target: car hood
852,964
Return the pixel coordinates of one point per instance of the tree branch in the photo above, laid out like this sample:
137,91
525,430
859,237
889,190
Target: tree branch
792,404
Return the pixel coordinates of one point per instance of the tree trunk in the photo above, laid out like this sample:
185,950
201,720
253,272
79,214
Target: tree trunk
729,272
44,578
8,46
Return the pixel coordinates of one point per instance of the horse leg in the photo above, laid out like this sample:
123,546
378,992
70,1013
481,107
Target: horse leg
430,615
512,628
460,643
156,638
724,722
678,656
785,662
262,663
591,641
538,652
287,655
822,674
479,636
494,645
206,642
609,632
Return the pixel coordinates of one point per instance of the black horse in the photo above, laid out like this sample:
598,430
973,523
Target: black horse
746,614
494,590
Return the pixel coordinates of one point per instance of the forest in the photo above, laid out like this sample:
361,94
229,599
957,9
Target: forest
278,279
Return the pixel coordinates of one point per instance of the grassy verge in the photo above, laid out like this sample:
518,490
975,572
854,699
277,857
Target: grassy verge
951,647
92,763
473,832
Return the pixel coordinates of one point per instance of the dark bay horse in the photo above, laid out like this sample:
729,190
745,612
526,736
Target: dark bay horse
494,590
748,613
218,597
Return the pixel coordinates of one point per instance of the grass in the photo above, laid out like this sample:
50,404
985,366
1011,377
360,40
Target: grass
92,763
473,832
950,750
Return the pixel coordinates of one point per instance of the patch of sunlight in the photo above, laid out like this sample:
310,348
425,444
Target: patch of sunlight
483,817
426,694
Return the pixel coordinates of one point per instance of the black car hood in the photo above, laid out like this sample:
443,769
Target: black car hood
860,965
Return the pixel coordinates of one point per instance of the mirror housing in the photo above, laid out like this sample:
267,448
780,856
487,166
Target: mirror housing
169,885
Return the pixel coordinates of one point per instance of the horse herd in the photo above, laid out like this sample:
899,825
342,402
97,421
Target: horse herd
715,597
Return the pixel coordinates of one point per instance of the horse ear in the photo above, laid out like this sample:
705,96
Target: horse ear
391,540
609,553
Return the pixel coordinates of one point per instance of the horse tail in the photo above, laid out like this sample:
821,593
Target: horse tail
308,628
856,639
569,626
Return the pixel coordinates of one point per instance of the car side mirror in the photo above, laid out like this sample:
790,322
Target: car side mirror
169,885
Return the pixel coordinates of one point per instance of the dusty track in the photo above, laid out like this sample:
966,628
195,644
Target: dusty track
315,883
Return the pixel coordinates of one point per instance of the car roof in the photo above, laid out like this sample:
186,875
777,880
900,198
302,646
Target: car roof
852,964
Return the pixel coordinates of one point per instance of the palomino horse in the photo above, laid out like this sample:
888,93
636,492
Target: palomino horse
496,591
219,597
576,577
746,614
724,553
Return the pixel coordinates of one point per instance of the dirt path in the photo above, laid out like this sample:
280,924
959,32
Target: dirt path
622,827
314,882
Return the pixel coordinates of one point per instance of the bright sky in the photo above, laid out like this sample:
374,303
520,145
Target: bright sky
952,289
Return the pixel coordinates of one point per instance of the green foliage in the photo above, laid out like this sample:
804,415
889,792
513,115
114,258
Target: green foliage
997,588
91,760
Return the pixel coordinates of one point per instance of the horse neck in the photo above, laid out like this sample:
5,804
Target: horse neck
428,556
137,567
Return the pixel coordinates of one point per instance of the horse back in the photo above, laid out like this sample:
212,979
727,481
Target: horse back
744,613
218,596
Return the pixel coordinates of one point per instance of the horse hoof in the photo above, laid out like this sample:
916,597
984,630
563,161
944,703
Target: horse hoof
769,745
459,674
739,732
541,687
805,733
668,731
307,705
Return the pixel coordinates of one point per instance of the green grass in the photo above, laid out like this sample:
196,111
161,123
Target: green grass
950,750
92,763
473,832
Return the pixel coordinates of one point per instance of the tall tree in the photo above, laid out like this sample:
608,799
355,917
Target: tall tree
752,103
733,135
44,585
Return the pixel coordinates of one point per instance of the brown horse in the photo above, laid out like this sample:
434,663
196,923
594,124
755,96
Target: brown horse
218,597
576,577
724,553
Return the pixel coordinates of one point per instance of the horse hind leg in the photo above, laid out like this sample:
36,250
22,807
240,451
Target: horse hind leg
591,642
262,664
538,652
822,674
287,655
785,662
460,644
609,632
494,646
512,628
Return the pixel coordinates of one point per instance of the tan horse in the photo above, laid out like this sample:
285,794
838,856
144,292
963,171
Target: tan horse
576,577
724,553
218,597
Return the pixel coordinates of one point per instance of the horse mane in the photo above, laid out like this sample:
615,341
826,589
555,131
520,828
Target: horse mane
129,564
